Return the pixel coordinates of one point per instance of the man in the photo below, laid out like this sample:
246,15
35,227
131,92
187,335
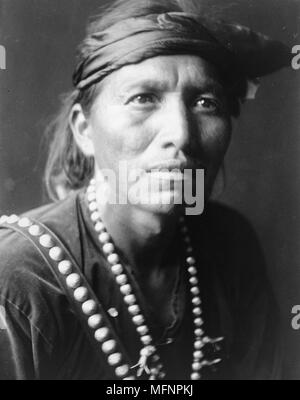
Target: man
102,290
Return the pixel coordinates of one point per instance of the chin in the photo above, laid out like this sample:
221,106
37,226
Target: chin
164,202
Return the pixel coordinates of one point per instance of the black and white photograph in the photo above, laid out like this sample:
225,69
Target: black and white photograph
149,191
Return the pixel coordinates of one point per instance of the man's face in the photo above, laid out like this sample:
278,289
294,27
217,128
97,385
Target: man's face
164,112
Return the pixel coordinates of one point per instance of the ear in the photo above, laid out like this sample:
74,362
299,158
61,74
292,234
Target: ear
81,129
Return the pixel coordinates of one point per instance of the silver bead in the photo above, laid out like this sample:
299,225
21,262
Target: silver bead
129,378
81,294
89,307
198,321
91,188
198,354
101,334
121,279
146,339
109,346
154,371
147,351
155,358
117,269
126,289
190,260
94,321
162,375
198,344
193,280
195,290
199,332
196,366
195,376
46,241
104,238
143,329
3,219
113,312
56,253
138,319
197,311
95,216
93,206
108,248
196,301
114,359
35,230
192,270
93,183
24,222
113,258
122,370
12,219
73,280
134,309
99,227
130,299
91,196
65,267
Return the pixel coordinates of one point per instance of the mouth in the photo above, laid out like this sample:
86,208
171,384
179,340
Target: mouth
173,166
166,174
168,166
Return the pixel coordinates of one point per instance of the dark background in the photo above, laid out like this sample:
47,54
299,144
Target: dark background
262,166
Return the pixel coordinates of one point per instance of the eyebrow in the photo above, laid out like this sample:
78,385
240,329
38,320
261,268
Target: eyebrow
209,86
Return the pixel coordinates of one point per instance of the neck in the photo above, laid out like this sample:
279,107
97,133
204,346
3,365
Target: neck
144,238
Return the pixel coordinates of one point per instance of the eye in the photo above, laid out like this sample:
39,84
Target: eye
208,104
143,99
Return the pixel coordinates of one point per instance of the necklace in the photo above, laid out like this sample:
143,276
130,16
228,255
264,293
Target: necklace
149,361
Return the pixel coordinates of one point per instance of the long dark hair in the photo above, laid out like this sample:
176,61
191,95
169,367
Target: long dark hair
67,168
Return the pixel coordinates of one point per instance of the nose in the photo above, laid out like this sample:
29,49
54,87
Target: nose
177,130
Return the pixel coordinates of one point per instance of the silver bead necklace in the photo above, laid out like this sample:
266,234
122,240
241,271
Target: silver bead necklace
149,361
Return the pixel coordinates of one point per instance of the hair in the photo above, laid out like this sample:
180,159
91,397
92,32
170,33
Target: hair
67,167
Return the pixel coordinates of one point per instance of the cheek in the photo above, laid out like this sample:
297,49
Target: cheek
215,138
119,133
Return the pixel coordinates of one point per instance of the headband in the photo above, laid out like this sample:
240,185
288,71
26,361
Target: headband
233,48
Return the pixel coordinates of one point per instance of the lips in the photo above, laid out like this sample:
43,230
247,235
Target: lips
167,175
168,165
171,165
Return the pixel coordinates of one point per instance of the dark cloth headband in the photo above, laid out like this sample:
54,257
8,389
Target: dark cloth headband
233,48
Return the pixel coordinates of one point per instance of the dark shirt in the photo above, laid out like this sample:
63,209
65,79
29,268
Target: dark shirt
41,337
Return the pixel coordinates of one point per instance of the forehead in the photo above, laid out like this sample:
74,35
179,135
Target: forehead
165,72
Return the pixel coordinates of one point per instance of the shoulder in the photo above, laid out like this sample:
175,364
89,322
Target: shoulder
230,242
23,273
225,225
